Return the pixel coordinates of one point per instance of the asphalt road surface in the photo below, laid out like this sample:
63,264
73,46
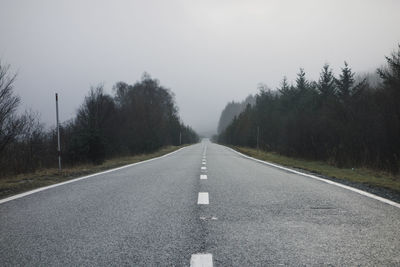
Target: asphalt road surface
171,212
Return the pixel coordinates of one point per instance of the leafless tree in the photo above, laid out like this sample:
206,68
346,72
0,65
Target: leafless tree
10,123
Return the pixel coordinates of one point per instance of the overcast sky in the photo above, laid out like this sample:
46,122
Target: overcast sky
208,52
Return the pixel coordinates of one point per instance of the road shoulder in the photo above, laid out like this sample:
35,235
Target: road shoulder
389,196
26,184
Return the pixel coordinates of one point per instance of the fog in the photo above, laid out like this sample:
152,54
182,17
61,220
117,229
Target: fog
206,52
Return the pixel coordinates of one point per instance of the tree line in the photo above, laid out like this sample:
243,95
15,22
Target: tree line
231,110
136,118
336,119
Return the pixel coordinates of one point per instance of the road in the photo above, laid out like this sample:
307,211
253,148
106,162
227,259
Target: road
152,214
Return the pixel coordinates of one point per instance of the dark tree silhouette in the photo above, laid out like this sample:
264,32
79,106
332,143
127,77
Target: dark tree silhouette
338,120
138,118
10,123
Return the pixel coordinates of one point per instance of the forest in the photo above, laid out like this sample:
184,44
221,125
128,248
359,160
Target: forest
231,110
138,118
337,119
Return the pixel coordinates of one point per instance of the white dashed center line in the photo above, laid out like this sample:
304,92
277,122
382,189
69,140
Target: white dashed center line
201,260
203,198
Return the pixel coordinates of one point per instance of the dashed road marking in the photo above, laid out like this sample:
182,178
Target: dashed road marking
208,218
201,260
203,177
203,168
203,198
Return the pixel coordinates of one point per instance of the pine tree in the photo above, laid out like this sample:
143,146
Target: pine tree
301,82
285,87
345,83
391,75
326,82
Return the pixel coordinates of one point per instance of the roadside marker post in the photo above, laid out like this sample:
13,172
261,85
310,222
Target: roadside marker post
58,136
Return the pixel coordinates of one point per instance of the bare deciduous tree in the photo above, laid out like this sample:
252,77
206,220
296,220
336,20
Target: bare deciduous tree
10,123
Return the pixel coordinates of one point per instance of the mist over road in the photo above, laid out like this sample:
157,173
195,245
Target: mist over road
152,214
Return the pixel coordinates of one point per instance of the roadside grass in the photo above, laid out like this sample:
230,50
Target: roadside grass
365,176
24,182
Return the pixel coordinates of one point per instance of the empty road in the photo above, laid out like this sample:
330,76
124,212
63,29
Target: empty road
205,205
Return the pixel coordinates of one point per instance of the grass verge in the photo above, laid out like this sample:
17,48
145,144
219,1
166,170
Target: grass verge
24,182
364,176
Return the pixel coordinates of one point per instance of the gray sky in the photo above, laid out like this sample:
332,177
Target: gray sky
208,52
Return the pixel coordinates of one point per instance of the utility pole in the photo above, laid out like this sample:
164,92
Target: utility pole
258,135
58,136
180,138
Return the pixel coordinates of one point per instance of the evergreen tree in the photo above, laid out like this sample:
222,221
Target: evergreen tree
302,84
326,82
345,83
285,87
391,74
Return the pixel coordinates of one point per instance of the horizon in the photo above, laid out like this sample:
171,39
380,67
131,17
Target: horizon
207,53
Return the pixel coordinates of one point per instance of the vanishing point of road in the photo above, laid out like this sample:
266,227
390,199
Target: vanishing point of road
203,205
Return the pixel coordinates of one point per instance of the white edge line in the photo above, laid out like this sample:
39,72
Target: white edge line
201,260
384,200
82,178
